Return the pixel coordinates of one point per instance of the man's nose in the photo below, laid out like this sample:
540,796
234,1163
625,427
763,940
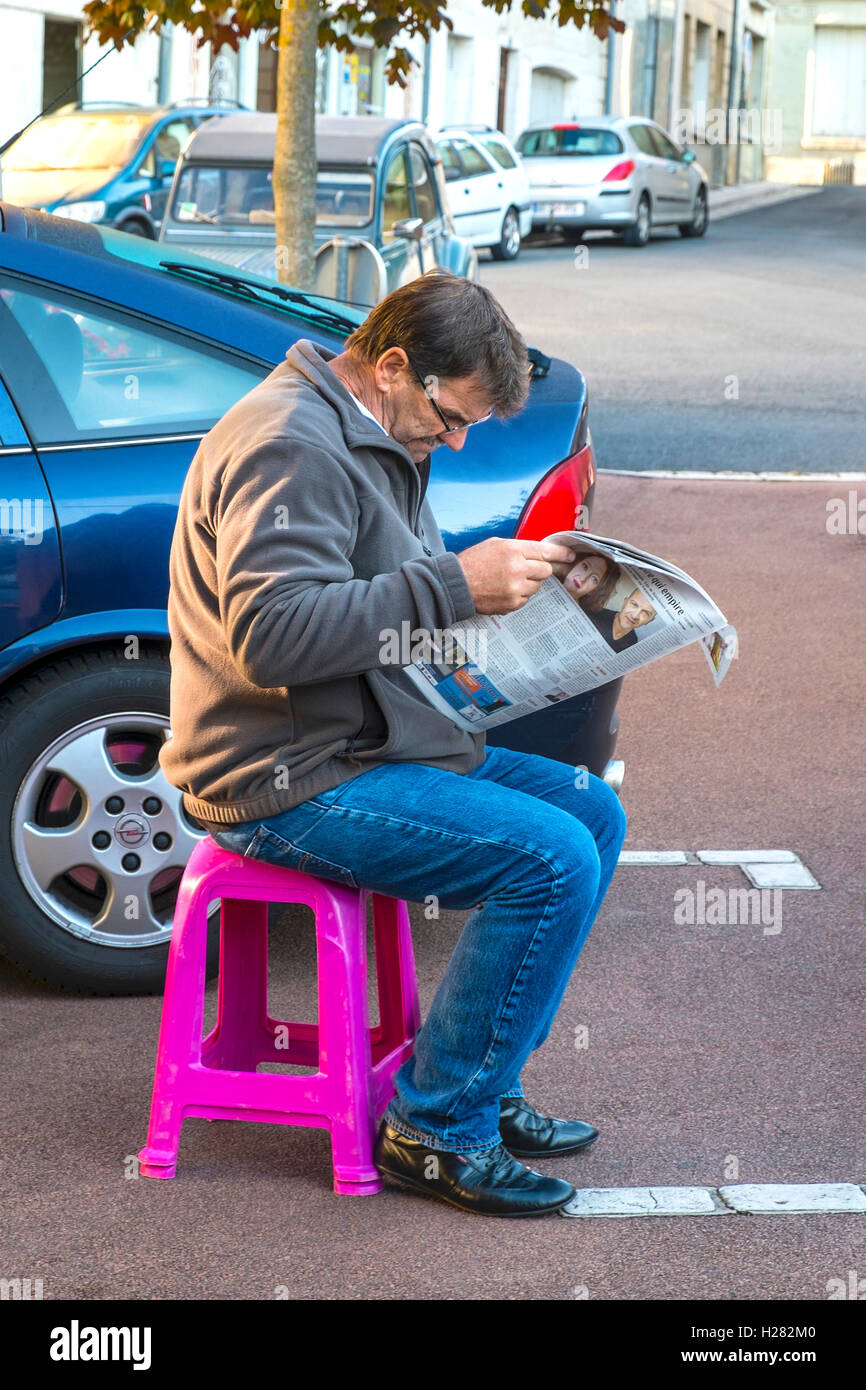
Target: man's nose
456,440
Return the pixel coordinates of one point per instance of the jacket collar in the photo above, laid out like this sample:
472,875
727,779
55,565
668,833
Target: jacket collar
310,359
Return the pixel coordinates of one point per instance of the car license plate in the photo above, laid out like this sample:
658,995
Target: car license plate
558,209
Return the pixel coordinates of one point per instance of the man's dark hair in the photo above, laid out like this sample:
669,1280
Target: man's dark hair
450,327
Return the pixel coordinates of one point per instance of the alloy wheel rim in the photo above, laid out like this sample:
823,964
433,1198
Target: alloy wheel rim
511,233
99,835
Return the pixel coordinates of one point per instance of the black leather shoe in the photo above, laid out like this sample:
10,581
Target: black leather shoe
488,1182
526,1134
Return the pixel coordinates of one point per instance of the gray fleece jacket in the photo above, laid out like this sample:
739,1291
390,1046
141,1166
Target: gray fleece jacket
303,533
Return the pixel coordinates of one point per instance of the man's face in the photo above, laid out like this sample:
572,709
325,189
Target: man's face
410,415
636,611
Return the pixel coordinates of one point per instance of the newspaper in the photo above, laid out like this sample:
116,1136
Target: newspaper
610,610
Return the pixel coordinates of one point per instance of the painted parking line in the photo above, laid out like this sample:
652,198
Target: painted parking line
765,868
730,475
656,856
753,1198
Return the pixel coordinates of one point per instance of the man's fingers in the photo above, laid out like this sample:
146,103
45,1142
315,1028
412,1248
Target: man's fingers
538,569
547,550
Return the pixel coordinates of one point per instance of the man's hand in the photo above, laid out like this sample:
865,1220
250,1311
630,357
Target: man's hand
503,574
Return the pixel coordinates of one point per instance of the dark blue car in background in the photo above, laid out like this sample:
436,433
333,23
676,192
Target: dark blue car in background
116,356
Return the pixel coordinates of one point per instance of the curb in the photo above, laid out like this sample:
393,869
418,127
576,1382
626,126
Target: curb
728,202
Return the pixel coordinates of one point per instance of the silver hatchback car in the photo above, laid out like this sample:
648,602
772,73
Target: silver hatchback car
615,173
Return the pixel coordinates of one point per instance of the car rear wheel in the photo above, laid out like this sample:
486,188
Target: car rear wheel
94,838
508,246
701,219
638,233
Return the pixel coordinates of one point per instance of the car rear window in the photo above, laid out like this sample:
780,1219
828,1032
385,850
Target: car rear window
568,140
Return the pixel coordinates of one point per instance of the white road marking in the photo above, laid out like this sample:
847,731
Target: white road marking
654,856
642,1201
763,1198
780,876
765,868
729,475
799,1197
747,856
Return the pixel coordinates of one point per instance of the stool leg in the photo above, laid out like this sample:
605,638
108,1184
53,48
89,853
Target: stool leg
344,1040
179,1034
396,979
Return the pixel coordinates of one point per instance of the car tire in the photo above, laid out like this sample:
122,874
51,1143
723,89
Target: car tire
638,234
76,733
507,248
700,219
137,226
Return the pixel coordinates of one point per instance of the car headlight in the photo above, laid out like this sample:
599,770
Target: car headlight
81,212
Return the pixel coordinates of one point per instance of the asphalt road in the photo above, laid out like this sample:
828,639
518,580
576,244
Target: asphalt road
743,350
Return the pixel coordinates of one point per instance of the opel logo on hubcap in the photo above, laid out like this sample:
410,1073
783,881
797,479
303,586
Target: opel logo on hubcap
132,831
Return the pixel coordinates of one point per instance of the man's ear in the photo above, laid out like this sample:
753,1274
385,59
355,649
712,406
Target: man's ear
389,367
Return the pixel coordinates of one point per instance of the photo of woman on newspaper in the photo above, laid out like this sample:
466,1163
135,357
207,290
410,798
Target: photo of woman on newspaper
590,581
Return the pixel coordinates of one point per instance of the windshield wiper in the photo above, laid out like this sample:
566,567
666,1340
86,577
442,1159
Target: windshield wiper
251,289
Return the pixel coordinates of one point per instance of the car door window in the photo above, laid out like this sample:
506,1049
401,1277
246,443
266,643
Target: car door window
167,144
426,206
110,375
643,139
473,160
395,203
170,140
499,152
450,162
665,148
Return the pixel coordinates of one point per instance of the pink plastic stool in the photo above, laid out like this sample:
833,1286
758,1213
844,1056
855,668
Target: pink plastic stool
216,1078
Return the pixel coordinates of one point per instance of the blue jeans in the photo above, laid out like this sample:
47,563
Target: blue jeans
522,840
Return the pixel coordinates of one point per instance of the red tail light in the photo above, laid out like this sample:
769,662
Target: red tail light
555,504
619,171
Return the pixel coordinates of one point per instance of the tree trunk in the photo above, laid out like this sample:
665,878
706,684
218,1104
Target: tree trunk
295,156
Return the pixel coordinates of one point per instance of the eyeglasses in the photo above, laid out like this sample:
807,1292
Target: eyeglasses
449,429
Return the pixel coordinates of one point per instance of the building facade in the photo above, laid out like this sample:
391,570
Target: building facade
818,83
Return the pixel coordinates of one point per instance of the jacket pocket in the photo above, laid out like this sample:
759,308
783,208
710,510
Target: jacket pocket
271,848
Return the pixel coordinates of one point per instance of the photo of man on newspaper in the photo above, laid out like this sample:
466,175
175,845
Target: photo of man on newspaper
618,626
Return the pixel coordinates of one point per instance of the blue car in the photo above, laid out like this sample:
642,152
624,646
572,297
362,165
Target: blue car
105,162
116,356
